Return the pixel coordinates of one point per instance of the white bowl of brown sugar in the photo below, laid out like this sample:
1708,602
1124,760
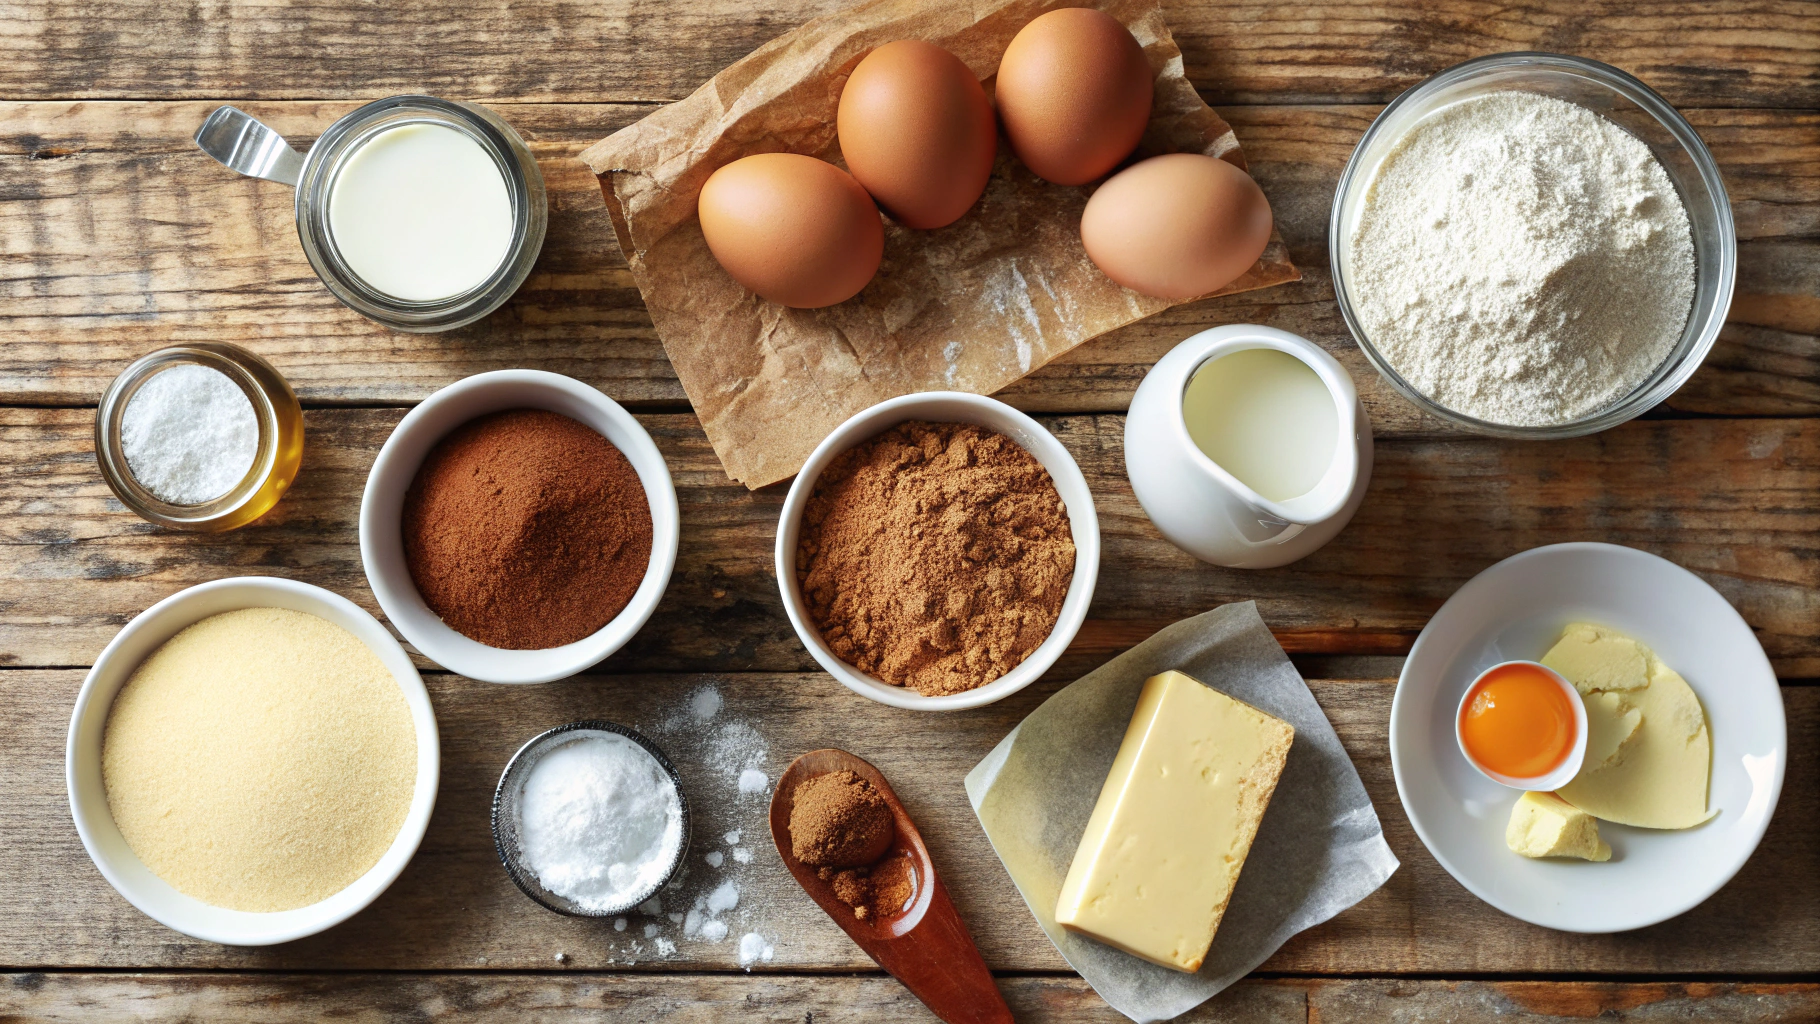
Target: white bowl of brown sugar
938,551
518,527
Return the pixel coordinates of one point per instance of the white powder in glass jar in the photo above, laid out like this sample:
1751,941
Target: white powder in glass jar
189,434
1522,260
600,822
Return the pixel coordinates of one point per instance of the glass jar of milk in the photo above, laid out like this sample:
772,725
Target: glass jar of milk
420,213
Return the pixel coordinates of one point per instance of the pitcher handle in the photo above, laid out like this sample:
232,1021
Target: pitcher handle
242,143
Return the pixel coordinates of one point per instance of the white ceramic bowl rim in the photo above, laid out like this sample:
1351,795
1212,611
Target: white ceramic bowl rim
947,407
1576,757
382,544
108,849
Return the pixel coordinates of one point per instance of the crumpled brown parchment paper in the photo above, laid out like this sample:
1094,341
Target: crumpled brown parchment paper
971,307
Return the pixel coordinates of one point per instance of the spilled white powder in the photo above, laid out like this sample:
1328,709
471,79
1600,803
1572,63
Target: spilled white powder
719,903
600,822
705,703
724,898
753,948
1522,260
189,434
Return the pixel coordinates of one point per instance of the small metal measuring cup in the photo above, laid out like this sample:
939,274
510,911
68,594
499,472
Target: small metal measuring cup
506,822
243,144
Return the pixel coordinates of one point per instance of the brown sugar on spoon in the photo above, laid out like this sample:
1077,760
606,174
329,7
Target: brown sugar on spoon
935,556
843,827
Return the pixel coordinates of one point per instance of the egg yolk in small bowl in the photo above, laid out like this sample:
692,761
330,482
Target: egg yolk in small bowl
1518,722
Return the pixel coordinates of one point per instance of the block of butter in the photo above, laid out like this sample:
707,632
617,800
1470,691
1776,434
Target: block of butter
1174,821
1544,825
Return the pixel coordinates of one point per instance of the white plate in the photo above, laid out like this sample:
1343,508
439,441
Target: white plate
1516,609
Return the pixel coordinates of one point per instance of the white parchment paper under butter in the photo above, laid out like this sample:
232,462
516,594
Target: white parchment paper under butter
1319,850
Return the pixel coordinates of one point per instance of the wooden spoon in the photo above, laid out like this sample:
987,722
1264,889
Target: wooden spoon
927,946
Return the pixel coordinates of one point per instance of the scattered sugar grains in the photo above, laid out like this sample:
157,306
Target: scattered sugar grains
753,948
752,781
260,760
732,756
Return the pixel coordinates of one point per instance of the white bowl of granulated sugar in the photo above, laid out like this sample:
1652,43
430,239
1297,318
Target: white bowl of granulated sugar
945,407
1551,286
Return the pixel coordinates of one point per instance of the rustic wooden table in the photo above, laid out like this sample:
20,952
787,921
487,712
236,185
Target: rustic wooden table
118,237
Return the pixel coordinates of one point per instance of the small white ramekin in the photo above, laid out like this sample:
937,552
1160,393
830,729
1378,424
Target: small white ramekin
947,407
382,519
1552,781
88,794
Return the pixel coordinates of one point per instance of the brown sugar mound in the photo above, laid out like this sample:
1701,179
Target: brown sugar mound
838,820
876,892
935,556
526,530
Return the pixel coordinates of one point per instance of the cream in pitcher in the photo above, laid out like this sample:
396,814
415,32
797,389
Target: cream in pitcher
1247,446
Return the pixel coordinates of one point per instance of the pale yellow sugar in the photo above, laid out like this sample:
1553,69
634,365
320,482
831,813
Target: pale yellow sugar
261,759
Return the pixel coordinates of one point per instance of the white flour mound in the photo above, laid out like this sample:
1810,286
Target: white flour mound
1522,260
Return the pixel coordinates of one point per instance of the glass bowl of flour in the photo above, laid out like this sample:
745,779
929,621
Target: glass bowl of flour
1532,245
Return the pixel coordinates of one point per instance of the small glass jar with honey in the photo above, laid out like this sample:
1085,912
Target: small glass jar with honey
278,452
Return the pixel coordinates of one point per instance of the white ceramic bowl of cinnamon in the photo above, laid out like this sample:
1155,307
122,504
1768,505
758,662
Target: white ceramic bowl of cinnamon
382,550
946,407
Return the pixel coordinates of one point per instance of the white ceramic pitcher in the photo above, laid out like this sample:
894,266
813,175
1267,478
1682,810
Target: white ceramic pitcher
1206,511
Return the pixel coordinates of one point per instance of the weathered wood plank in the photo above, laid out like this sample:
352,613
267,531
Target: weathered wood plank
120,237
867,999
1757,53
455,909
1729,499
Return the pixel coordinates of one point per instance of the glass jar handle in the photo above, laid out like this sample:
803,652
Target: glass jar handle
241,143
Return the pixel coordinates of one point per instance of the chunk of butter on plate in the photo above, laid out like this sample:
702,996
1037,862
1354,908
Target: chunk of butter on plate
1649,753
1544,825
1175,819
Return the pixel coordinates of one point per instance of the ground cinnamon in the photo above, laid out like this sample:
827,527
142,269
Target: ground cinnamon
935,556
526,530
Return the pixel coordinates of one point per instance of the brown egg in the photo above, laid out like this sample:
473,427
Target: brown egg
917,131
1176,226
796,230
1074,92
